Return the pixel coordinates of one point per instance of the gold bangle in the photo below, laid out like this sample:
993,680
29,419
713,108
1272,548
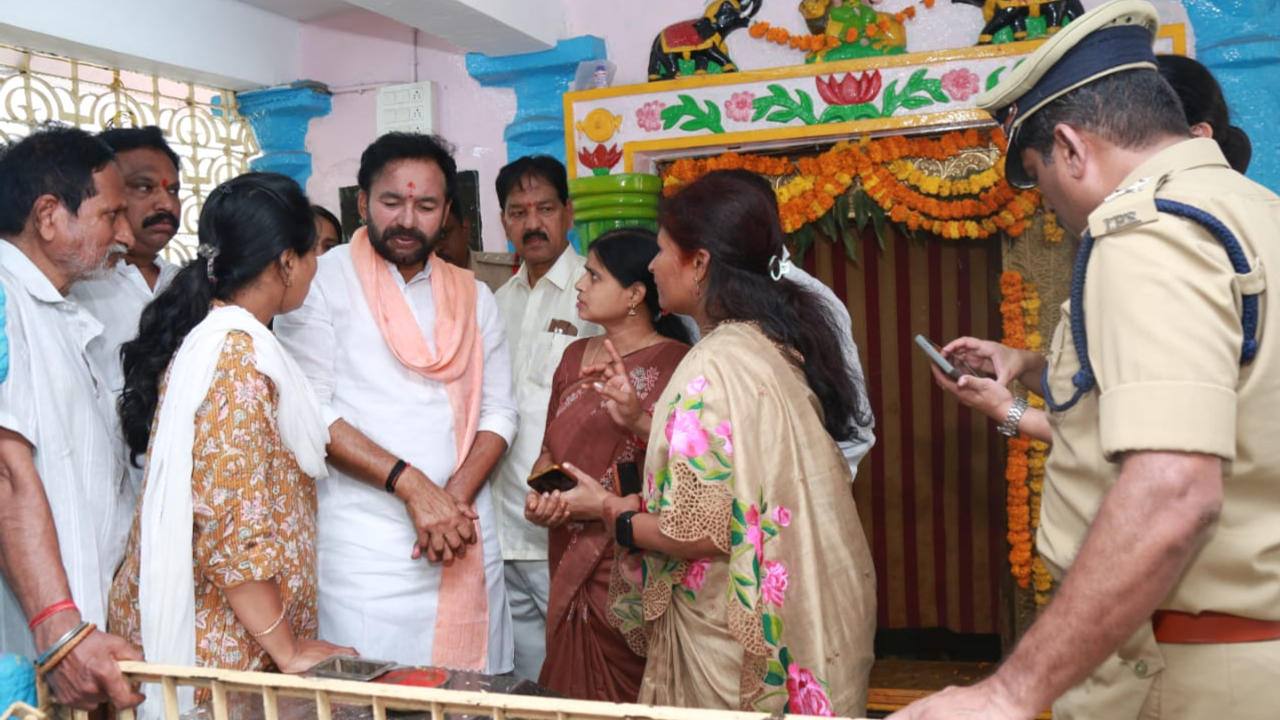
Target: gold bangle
271,628
66,649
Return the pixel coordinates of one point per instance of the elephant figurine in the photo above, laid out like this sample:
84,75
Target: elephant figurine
701,39
1013,14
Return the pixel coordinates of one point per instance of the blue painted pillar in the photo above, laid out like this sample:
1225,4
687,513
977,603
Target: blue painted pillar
540,80
279,117
1239,41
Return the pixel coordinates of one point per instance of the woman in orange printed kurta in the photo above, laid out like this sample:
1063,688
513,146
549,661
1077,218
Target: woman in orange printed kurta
255,518
220,567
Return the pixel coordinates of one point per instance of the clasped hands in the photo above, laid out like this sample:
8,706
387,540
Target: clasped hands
444,522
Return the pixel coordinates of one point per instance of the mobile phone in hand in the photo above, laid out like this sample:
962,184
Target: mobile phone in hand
551,479
934,352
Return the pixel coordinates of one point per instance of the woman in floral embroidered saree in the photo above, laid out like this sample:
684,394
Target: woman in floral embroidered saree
755,588
587,657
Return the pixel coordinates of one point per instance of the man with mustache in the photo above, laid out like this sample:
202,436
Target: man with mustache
117,297
539,304
65,502
409,360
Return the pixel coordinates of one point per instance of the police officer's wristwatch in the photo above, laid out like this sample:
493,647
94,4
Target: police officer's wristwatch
1009,427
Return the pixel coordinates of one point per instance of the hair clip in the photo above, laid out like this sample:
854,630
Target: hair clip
209,253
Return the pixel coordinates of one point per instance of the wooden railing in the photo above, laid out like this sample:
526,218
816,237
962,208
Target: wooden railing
376,699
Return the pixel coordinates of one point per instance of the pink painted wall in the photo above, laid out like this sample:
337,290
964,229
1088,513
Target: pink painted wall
354,53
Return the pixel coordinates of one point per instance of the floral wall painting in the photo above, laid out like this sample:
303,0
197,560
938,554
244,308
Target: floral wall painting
599,125
600,160
700,42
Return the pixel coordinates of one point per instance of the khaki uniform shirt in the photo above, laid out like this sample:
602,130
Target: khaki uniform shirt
1163,323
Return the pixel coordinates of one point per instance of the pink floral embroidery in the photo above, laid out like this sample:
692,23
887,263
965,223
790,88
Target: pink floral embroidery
697,386
649,116
696,575
755,535
960,84
782,516
774,586
651,488
806,693
739,106
685,435
725,431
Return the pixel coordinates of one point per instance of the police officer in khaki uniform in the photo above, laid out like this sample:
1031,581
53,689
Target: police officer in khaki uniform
1163,381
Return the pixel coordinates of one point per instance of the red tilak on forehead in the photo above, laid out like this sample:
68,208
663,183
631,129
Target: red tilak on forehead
411,189
164,183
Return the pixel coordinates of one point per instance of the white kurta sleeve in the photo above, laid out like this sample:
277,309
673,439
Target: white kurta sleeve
307,334
497,402
17,390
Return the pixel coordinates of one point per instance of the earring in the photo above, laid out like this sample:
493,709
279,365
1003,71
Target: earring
631,310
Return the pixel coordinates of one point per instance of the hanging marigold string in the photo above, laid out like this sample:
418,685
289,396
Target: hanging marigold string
1017,468
1038,452
976,206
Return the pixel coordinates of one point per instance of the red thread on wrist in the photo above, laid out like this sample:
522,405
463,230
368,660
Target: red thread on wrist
48,612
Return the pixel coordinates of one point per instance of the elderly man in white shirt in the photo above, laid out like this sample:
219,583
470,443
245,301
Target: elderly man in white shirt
408,355
117,297
65,503
540,307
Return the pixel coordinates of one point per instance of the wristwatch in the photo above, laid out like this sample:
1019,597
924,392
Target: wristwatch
1009,427
622,530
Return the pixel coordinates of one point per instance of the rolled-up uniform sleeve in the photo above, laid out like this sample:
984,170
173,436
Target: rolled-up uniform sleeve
1164,331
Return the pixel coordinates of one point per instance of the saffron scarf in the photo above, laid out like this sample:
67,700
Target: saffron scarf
461,637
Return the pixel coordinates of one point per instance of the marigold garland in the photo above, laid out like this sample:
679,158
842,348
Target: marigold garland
1020,315
1017,468
973,207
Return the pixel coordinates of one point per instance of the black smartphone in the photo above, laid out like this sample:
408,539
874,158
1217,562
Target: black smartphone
551,479
628,475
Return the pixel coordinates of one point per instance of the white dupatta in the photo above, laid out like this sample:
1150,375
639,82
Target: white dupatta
166,583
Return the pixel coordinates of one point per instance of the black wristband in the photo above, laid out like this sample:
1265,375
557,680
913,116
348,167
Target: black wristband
394,475
622,530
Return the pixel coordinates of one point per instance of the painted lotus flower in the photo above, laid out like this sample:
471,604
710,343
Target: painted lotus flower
739,106
601,159
649,116
960,84
851,90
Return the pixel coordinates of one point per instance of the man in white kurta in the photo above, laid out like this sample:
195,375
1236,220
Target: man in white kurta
65,503
539,305
117,297
373,594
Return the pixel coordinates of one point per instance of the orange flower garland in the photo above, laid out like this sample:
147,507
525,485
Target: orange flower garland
1016,472
974,207
1020,314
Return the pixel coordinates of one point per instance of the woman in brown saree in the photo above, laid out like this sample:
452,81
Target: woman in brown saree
755,588
597,422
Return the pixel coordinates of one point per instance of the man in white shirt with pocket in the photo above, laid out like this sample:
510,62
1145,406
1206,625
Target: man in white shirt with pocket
539,304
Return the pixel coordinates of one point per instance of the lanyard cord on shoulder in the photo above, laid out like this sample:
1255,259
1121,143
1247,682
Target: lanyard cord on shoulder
1084,379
